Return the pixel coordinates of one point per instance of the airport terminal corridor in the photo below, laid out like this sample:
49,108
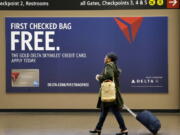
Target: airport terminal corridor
61,123
61,61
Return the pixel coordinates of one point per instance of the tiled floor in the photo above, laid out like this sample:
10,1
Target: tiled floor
78,124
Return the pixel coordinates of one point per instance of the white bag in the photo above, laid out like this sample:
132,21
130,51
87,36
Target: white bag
108,91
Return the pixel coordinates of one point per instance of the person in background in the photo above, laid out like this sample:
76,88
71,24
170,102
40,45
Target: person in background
110,72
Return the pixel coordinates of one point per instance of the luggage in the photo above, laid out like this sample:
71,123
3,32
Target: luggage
147,119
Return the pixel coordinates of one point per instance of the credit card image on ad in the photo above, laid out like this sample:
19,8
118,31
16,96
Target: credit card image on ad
25,77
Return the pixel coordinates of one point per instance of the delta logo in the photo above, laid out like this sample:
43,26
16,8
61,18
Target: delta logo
14,76
129,26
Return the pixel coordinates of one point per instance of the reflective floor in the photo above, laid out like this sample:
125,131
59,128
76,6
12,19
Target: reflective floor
78,124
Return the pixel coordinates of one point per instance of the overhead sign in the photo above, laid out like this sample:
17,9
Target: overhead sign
87,4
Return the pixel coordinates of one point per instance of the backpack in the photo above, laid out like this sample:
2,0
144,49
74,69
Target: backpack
108,91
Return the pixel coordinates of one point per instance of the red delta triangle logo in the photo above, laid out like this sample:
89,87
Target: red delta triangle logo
129,26
14,75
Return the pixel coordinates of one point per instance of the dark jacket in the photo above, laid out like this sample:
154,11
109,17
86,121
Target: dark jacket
110,71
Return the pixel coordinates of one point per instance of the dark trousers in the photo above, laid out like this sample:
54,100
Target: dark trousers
117,114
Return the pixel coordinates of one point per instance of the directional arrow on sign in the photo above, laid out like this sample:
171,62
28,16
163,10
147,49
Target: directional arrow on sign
173,2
